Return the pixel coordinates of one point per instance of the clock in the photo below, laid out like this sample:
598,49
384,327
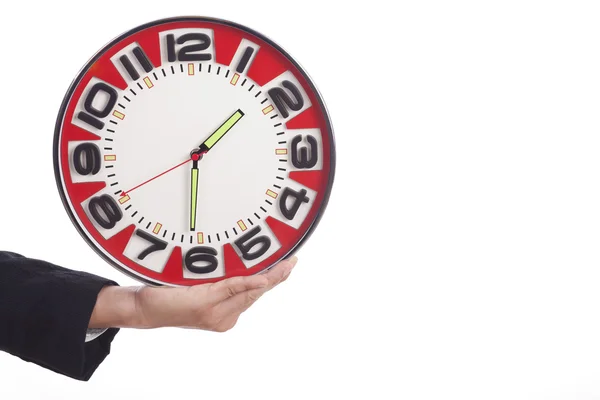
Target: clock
192,149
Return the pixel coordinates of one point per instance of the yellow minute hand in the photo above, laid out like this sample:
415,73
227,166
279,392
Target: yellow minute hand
221,131
194,194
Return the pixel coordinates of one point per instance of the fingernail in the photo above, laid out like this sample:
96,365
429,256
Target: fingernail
293,261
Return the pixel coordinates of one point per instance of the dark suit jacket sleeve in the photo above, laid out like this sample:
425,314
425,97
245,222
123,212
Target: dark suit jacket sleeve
44,315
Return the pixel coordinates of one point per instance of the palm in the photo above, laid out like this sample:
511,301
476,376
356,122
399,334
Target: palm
215,306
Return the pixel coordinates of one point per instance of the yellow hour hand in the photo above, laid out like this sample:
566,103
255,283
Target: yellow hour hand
221,131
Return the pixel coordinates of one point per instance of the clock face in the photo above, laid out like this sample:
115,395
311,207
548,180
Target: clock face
190,150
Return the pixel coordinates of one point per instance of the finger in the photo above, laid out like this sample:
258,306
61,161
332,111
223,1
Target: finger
241,302
280,272
234,306
231,287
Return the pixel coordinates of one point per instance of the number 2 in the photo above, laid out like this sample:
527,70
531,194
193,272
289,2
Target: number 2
283,101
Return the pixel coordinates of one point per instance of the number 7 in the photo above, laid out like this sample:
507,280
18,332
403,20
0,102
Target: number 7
156,245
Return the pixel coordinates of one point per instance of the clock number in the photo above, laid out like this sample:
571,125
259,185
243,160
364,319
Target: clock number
204,255
253,247
105,211
187,53
91,116
244,60
283,101
86,159
143,60
301,158
156,245
297,197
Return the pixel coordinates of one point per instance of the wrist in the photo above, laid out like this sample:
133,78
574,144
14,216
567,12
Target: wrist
154,307
142,316
115,308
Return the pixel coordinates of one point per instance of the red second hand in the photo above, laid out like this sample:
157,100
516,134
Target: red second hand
125,193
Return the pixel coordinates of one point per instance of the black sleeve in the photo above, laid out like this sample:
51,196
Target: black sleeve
44,315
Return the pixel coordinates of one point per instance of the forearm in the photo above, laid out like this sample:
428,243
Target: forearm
116,308
135,307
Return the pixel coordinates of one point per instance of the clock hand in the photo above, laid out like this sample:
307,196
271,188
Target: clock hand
126,192
221,131
196,156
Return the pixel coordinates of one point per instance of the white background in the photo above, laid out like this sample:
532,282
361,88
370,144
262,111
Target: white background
459,255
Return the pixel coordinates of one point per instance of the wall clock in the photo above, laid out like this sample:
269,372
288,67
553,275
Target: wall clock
189,150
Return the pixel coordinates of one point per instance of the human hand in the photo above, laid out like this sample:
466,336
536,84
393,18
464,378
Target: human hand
213,307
